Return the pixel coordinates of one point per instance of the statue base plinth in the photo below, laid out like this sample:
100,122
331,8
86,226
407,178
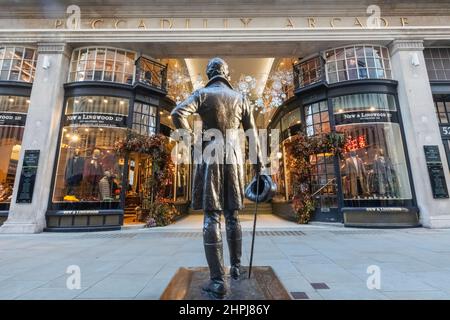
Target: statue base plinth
264,284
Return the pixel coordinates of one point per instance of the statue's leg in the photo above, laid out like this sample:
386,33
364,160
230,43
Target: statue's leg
212,241
234,239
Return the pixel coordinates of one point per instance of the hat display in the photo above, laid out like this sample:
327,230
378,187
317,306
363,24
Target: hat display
266,190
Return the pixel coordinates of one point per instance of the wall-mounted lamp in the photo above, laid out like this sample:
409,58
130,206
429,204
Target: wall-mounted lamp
415,59
46,63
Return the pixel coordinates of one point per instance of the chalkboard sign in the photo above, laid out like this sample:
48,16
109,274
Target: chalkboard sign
432,154
436,172
437,179
28,176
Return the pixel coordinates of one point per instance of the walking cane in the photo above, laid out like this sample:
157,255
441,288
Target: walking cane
254,226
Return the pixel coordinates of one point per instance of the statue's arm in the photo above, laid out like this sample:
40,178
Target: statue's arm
182,111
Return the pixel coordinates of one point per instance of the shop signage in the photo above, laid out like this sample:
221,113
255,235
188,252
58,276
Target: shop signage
365,117
387,209
445,131
13,119
77,212
95,120
436,172
28,176
248,22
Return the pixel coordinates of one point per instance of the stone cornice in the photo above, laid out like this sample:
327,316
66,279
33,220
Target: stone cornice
406,45
54,48
221,35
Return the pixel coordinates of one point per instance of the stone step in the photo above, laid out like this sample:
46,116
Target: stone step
263,208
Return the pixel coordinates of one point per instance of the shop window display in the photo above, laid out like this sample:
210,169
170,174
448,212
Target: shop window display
374,164
13,112
88,168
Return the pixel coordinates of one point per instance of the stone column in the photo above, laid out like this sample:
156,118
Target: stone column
421,126
41,133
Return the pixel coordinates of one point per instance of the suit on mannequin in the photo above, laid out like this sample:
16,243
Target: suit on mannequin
92,173
74,172
355,173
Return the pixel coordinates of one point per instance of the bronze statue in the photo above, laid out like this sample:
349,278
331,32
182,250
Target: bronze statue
219,186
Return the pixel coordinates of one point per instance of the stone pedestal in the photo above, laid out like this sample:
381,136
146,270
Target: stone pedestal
41,133
420,125
187,284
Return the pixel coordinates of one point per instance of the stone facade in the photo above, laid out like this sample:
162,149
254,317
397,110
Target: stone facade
406,37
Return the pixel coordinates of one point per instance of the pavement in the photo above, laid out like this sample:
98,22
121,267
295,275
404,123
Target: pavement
313,261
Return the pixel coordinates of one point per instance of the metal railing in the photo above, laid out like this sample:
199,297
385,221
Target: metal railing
323,187
151,73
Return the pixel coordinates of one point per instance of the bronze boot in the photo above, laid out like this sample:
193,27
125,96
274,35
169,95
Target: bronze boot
214,255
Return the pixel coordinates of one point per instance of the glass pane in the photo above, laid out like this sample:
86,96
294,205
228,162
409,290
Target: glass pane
10,143
352,74
329,55
331,67
374,165
340,54
88,169
360,52
332,77
342,75
351,63
290,119
350,52
341,65
368,51
364,102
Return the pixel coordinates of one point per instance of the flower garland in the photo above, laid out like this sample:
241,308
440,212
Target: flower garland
300,149
157,147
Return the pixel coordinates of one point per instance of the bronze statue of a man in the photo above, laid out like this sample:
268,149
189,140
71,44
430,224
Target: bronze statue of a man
219,186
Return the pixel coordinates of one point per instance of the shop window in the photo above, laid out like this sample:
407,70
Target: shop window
374,165
144,119
308,72
13,114
291,119
442,105
278,177
357,62
317,119
437,61
102,64
443,111
88,169
17,64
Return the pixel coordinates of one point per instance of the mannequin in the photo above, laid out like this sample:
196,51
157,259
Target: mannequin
92,173
105,186
356,175
384,176
74,172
